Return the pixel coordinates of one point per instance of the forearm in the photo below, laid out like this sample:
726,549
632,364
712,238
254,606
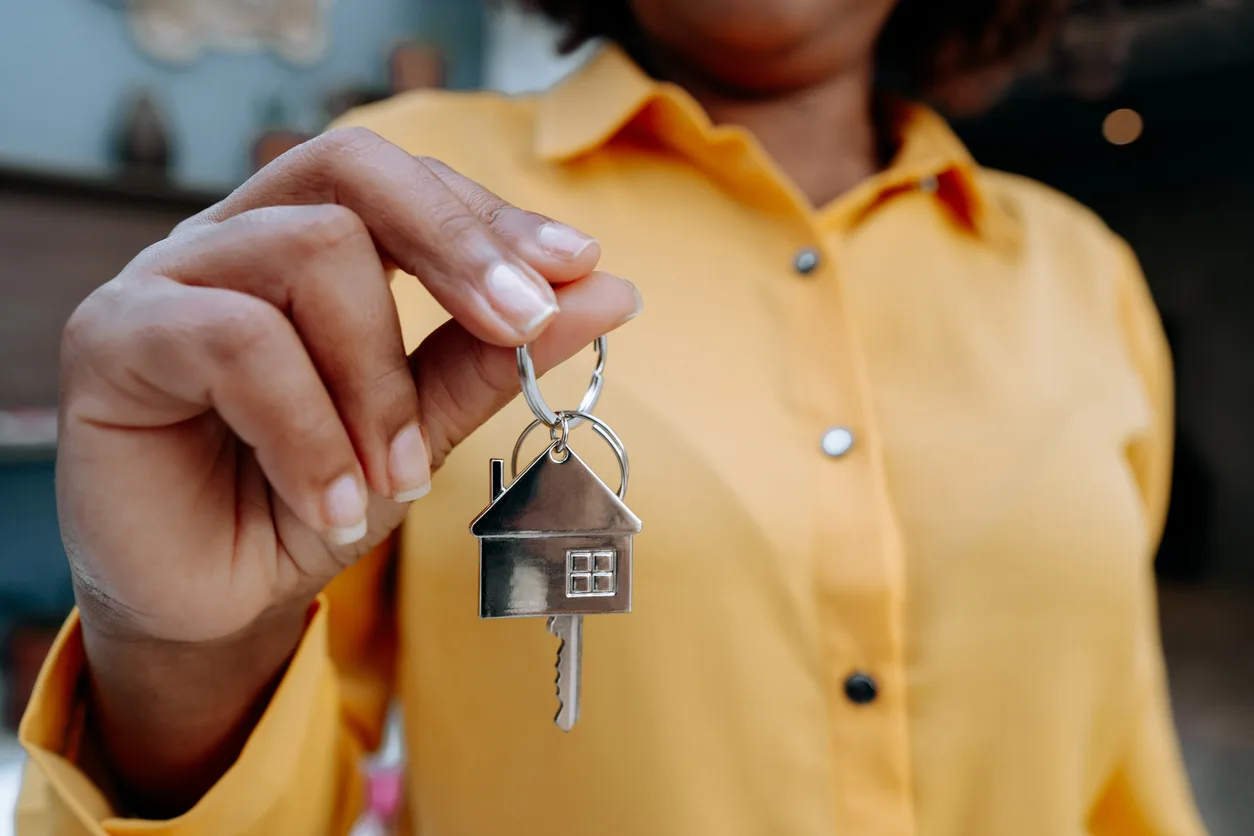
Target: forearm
165,720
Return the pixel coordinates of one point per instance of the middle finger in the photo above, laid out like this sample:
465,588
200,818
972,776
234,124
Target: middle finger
317,265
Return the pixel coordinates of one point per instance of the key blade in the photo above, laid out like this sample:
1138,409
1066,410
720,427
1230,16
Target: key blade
569,630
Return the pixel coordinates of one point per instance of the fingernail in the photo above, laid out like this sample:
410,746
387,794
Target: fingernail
518,299
639,305
564,242
345,503
407,465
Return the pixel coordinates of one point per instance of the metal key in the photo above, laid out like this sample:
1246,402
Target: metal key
557,541
569,632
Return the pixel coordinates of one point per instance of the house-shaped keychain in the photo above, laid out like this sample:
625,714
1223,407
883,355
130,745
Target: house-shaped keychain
556,541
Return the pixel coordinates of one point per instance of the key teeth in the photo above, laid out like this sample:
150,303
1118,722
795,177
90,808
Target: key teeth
564,718
561,704
557,680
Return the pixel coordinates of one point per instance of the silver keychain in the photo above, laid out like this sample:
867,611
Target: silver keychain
556,541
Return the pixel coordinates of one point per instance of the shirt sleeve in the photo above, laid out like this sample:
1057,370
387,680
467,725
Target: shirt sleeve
299,771
1148,792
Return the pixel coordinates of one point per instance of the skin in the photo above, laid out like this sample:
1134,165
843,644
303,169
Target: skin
239,421
796,73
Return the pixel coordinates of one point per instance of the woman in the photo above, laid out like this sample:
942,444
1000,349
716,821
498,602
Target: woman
899,431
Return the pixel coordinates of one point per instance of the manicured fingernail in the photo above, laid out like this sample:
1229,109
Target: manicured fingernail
345,507
407,465
564,242
344,536
518,299
639,305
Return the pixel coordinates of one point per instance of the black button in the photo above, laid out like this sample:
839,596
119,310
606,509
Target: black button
861,689
806,260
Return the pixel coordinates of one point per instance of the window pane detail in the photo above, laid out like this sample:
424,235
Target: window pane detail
591,573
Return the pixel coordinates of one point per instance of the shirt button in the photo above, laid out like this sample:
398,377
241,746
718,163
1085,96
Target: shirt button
861,688
836,442
806,261
929,184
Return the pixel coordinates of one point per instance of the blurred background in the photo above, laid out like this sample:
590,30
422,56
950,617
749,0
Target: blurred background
120,118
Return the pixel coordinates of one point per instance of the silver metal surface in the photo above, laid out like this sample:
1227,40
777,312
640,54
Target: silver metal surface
558,434
521,578
540,531
598,426
556,541
531,388
569,631
591,573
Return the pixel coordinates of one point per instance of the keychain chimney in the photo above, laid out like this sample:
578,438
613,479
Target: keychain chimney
498,478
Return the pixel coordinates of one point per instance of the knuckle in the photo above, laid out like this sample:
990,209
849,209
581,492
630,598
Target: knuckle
83,329
441,419
326,160
188,224
393,388
104,323
458,401
240,331
326,226
347,140
286,235
441,171
452,222
334,224
199,220
312,428
502,386
488,207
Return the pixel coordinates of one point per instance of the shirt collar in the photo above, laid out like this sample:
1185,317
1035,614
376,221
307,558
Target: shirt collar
588,107
597,102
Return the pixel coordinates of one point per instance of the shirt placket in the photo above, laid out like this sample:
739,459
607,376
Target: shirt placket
859,576
857,561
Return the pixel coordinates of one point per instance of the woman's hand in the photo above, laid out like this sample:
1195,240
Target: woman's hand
239,420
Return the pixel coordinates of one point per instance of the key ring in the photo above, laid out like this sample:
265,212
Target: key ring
531,389
559,432
567,420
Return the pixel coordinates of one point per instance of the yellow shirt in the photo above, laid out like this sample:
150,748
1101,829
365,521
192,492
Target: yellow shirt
982,551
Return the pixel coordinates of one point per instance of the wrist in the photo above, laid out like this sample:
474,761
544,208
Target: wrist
175,676
171,717
186,618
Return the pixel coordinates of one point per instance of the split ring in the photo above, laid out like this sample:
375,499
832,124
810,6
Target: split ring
531,389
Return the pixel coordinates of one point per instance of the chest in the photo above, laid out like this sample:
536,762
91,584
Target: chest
982,526
987,387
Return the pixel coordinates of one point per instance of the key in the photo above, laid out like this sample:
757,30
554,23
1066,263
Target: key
569,632
557,541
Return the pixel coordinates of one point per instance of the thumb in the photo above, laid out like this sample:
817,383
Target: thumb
463,381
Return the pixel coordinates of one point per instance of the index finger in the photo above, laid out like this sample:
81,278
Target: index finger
416,221
560,252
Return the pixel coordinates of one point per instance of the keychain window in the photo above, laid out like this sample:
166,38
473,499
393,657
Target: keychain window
590,573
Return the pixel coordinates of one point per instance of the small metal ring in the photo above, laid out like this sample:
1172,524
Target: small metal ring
531,389
598,426
559,432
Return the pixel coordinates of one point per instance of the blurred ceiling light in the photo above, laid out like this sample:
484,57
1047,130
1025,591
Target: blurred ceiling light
1122,126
